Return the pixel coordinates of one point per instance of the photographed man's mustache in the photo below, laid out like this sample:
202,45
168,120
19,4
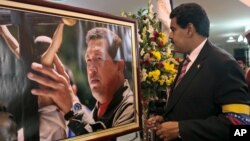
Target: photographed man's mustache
94,78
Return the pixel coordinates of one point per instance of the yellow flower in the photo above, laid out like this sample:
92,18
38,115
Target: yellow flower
155,75
169,82
169,67
162,38
163,80
157,55
163,35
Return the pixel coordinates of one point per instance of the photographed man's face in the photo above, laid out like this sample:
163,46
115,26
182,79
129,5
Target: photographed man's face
101,69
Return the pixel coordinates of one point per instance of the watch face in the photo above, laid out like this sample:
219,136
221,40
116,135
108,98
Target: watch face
77,107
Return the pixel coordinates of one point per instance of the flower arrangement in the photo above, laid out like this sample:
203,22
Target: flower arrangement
157,62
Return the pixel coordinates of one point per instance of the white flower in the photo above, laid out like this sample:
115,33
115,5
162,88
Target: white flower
173,61
153,44
144,33
146,21
151,12
123,14
150,31
169,50
144,75
142,52
139,38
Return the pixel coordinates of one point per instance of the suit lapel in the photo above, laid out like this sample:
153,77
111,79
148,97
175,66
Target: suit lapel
186,81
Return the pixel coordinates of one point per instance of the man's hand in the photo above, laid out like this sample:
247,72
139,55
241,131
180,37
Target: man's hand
55,84
168,130
152,122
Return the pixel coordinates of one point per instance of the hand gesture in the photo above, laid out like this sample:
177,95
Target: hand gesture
152,122
55,82
168,130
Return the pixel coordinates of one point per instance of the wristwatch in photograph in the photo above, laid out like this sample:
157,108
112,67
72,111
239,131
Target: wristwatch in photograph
73,111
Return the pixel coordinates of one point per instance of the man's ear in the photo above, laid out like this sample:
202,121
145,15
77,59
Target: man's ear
190,30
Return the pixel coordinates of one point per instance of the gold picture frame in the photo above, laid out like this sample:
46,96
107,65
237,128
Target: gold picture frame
28,18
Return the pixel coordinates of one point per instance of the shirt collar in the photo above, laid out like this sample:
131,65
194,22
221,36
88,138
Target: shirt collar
194,54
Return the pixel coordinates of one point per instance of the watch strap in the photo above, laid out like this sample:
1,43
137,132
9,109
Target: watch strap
69,115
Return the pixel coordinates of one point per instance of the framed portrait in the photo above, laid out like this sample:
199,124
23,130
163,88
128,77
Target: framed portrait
67,31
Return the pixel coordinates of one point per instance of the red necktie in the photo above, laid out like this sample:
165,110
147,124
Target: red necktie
183,70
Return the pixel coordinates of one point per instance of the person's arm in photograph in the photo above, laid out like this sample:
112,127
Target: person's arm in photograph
55,98
81,122
48,56
10,40
56,82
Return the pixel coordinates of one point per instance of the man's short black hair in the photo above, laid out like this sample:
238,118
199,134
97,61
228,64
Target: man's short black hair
192,13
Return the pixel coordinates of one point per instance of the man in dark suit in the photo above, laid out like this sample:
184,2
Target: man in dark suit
212,95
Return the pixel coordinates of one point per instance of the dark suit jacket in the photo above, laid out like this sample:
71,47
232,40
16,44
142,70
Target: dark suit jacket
214,79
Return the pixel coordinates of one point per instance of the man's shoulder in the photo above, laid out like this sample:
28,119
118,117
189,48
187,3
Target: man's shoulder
219,55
